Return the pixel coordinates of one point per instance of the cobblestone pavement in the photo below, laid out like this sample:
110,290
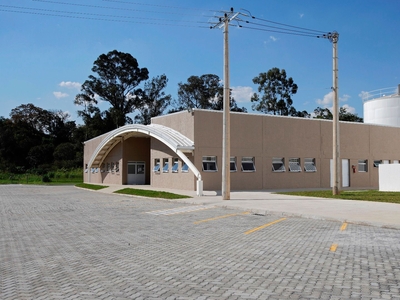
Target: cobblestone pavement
68,243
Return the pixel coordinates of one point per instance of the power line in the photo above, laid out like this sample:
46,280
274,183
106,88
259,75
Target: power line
93,14
286,25
284,32
159,5
99,19
115,8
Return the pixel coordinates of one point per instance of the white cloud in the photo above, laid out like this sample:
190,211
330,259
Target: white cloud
301,15
344,98
364,95
274,39
242,93
70,85
327,102
60,95
349,109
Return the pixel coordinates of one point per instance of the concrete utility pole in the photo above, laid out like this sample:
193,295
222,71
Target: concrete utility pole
334,37
226,123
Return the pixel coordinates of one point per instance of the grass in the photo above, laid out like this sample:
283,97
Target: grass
363,195
94,187
150,193
73,176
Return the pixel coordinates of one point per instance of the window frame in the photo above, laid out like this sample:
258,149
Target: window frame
184,167
294,165
276,160
247,160
310,162
175,165
157,165
209,160
377,162
232,160
165,168
362,162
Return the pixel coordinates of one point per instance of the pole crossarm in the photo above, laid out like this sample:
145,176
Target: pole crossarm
228,17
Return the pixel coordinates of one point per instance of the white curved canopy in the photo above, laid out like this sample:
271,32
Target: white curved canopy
170,137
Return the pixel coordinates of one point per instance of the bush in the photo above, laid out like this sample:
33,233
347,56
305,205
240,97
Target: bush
46,178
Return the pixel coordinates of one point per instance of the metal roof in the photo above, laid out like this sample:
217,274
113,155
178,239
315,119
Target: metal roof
170,137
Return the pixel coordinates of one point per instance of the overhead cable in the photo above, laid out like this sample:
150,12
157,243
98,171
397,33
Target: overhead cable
93,14
98,19
114,8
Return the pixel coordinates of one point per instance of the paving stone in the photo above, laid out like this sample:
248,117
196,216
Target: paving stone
67,243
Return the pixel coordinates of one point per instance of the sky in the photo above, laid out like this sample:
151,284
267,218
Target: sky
48,47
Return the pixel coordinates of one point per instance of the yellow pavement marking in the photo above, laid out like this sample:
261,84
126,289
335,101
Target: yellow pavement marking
333,247
220,217
344,225
263,226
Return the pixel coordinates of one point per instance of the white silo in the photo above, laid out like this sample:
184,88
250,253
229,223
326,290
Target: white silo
382,107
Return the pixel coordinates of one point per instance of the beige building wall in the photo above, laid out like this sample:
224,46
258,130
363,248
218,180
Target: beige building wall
262,137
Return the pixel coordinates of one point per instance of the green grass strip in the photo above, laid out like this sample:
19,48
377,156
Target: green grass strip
91,186
151,194
362,195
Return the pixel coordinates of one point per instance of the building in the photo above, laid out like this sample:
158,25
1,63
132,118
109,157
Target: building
184,151
382,107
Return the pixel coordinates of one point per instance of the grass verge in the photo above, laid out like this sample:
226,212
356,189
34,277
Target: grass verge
363,195
91,186
151,194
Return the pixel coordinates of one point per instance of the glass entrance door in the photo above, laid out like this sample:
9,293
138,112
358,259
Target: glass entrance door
136,173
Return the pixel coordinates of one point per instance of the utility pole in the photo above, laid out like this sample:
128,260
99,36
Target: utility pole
334,37
226,123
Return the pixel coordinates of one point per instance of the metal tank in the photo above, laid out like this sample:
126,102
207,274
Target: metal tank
382,106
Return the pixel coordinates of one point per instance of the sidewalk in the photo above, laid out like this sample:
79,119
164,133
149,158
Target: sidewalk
268,203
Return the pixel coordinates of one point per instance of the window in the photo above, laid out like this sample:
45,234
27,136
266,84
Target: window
165,168
86,168
175,165
362,165
278,164
309,165
108,167
395,161
210,163
294,165
112,167
185,167
102,167
156,165
248,164
117,166
232,164
377,163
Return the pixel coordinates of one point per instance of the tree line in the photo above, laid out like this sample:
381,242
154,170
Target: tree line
34,138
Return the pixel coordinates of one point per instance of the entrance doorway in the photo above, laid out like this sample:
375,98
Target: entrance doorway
136,173
345,173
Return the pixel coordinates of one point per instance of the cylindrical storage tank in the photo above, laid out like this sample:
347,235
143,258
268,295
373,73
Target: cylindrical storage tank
384,110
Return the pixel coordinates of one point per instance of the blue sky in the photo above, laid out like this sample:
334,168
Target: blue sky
46,56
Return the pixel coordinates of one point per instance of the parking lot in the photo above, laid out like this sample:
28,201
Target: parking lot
69,243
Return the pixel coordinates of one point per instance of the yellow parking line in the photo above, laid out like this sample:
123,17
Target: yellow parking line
220,217
333,247
344,225
263,226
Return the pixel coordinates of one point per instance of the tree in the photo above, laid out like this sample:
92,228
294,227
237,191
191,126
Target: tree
277,93
204,92
154,101
118,78
199,92
344,115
